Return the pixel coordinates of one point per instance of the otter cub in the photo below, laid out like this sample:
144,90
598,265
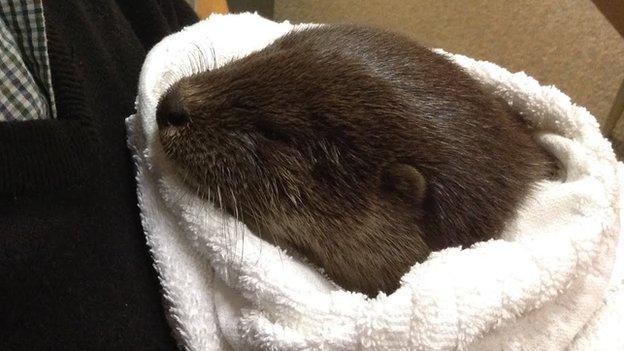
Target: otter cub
355,147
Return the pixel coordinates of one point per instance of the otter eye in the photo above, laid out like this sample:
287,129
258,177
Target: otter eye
272,134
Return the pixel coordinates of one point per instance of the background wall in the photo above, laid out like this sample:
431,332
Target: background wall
205,7
567,43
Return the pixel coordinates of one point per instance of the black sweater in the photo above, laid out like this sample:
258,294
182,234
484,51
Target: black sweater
75,272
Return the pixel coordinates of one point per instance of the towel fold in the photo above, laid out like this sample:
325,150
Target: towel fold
554,281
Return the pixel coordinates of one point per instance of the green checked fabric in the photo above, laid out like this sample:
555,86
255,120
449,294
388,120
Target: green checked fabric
25,79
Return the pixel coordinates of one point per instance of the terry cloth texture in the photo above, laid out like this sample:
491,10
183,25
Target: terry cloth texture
26,86
75,272
548,284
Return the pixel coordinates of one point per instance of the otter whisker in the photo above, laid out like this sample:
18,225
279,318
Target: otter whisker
237,225
260,234
223,220
214,57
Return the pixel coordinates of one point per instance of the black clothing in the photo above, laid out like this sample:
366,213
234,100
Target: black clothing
75,272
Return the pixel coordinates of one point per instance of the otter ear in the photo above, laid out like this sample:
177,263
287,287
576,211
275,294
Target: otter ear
405,181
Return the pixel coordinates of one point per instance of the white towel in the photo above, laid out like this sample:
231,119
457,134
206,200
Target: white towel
549,284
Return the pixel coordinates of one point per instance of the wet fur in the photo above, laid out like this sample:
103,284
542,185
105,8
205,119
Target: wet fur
317,143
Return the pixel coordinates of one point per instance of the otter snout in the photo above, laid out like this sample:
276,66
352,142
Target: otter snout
171,111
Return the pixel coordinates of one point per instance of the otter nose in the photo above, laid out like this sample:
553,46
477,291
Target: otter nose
170,111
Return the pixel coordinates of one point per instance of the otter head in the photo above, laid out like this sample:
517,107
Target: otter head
304,152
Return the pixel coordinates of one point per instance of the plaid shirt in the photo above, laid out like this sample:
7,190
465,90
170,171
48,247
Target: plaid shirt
26,84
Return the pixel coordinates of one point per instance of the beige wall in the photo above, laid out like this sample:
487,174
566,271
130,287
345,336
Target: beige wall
562,42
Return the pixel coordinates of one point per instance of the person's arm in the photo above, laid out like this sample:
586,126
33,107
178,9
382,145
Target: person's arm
28,130
76,271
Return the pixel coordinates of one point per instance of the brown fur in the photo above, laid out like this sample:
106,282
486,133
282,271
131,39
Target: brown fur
355,147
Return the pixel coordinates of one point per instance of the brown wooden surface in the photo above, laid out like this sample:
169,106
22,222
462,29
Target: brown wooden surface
613,10
205,7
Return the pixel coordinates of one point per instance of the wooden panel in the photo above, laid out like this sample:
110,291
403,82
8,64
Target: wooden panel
616,115
263,7
205,7
613,10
